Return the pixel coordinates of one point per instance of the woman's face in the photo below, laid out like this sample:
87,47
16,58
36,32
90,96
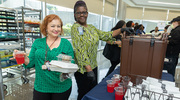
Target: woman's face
54,28
81,15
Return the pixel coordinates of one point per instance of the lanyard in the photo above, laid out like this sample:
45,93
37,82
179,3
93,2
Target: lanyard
48,49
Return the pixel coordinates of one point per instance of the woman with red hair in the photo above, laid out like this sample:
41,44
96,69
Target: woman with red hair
47,85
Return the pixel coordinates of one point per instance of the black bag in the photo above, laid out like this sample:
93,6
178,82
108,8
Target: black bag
106,51
112,52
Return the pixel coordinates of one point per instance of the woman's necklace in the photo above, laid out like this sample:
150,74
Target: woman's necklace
46,63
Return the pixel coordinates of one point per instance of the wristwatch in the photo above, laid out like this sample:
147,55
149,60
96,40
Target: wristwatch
114,42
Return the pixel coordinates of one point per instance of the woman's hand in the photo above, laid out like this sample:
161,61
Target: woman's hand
88,68
118,43
14,54
26,59
90,74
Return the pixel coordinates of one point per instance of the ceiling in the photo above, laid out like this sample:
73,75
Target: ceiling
165,4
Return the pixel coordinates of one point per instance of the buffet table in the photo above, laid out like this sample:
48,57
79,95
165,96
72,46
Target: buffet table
99,92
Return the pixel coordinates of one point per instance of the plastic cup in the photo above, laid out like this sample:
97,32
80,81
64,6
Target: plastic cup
110,86
119,93
116,80
125,80
117,76
124,87
19,56
64,57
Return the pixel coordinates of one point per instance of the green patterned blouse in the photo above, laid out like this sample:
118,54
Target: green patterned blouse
86,45
48,81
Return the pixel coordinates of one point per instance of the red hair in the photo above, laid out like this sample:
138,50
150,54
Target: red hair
47,20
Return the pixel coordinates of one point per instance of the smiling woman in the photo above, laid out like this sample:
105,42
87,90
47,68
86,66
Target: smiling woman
85,39
47,84
81,15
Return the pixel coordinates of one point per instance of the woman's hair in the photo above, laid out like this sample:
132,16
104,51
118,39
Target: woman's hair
139,26
118,25
79,4
46,21
129,23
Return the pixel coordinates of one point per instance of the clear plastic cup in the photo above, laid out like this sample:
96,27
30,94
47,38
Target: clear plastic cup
116,80
117,76
19,56
64,57
125,80
124,87
110,86
119,94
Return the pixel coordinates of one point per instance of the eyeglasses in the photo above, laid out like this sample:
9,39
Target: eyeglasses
79,13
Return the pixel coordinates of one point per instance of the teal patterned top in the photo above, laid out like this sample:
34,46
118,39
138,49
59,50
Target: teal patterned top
48,81
86,45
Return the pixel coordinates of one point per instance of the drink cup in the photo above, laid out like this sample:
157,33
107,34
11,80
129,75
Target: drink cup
117,76
110,86
19,56
125,80
119,93
116,80
124,87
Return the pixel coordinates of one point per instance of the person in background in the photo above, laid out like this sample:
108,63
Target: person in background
173,48
85,40
130,24
112,51
130,27
169,29
140,30
47,85
156,32
136,26
166,28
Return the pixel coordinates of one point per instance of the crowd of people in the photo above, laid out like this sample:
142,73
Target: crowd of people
85,39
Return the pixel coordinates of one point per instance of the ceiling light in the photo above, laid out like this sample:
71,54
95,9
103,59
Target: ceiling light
166,3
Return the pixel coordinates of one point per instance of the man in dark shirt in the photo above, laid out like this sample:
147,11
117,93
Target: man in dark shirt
173,47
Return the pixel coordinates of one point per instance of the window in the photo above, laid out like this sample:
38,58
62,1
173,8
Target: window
151,24
94,19
1,1
12,3
34,4
107,25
